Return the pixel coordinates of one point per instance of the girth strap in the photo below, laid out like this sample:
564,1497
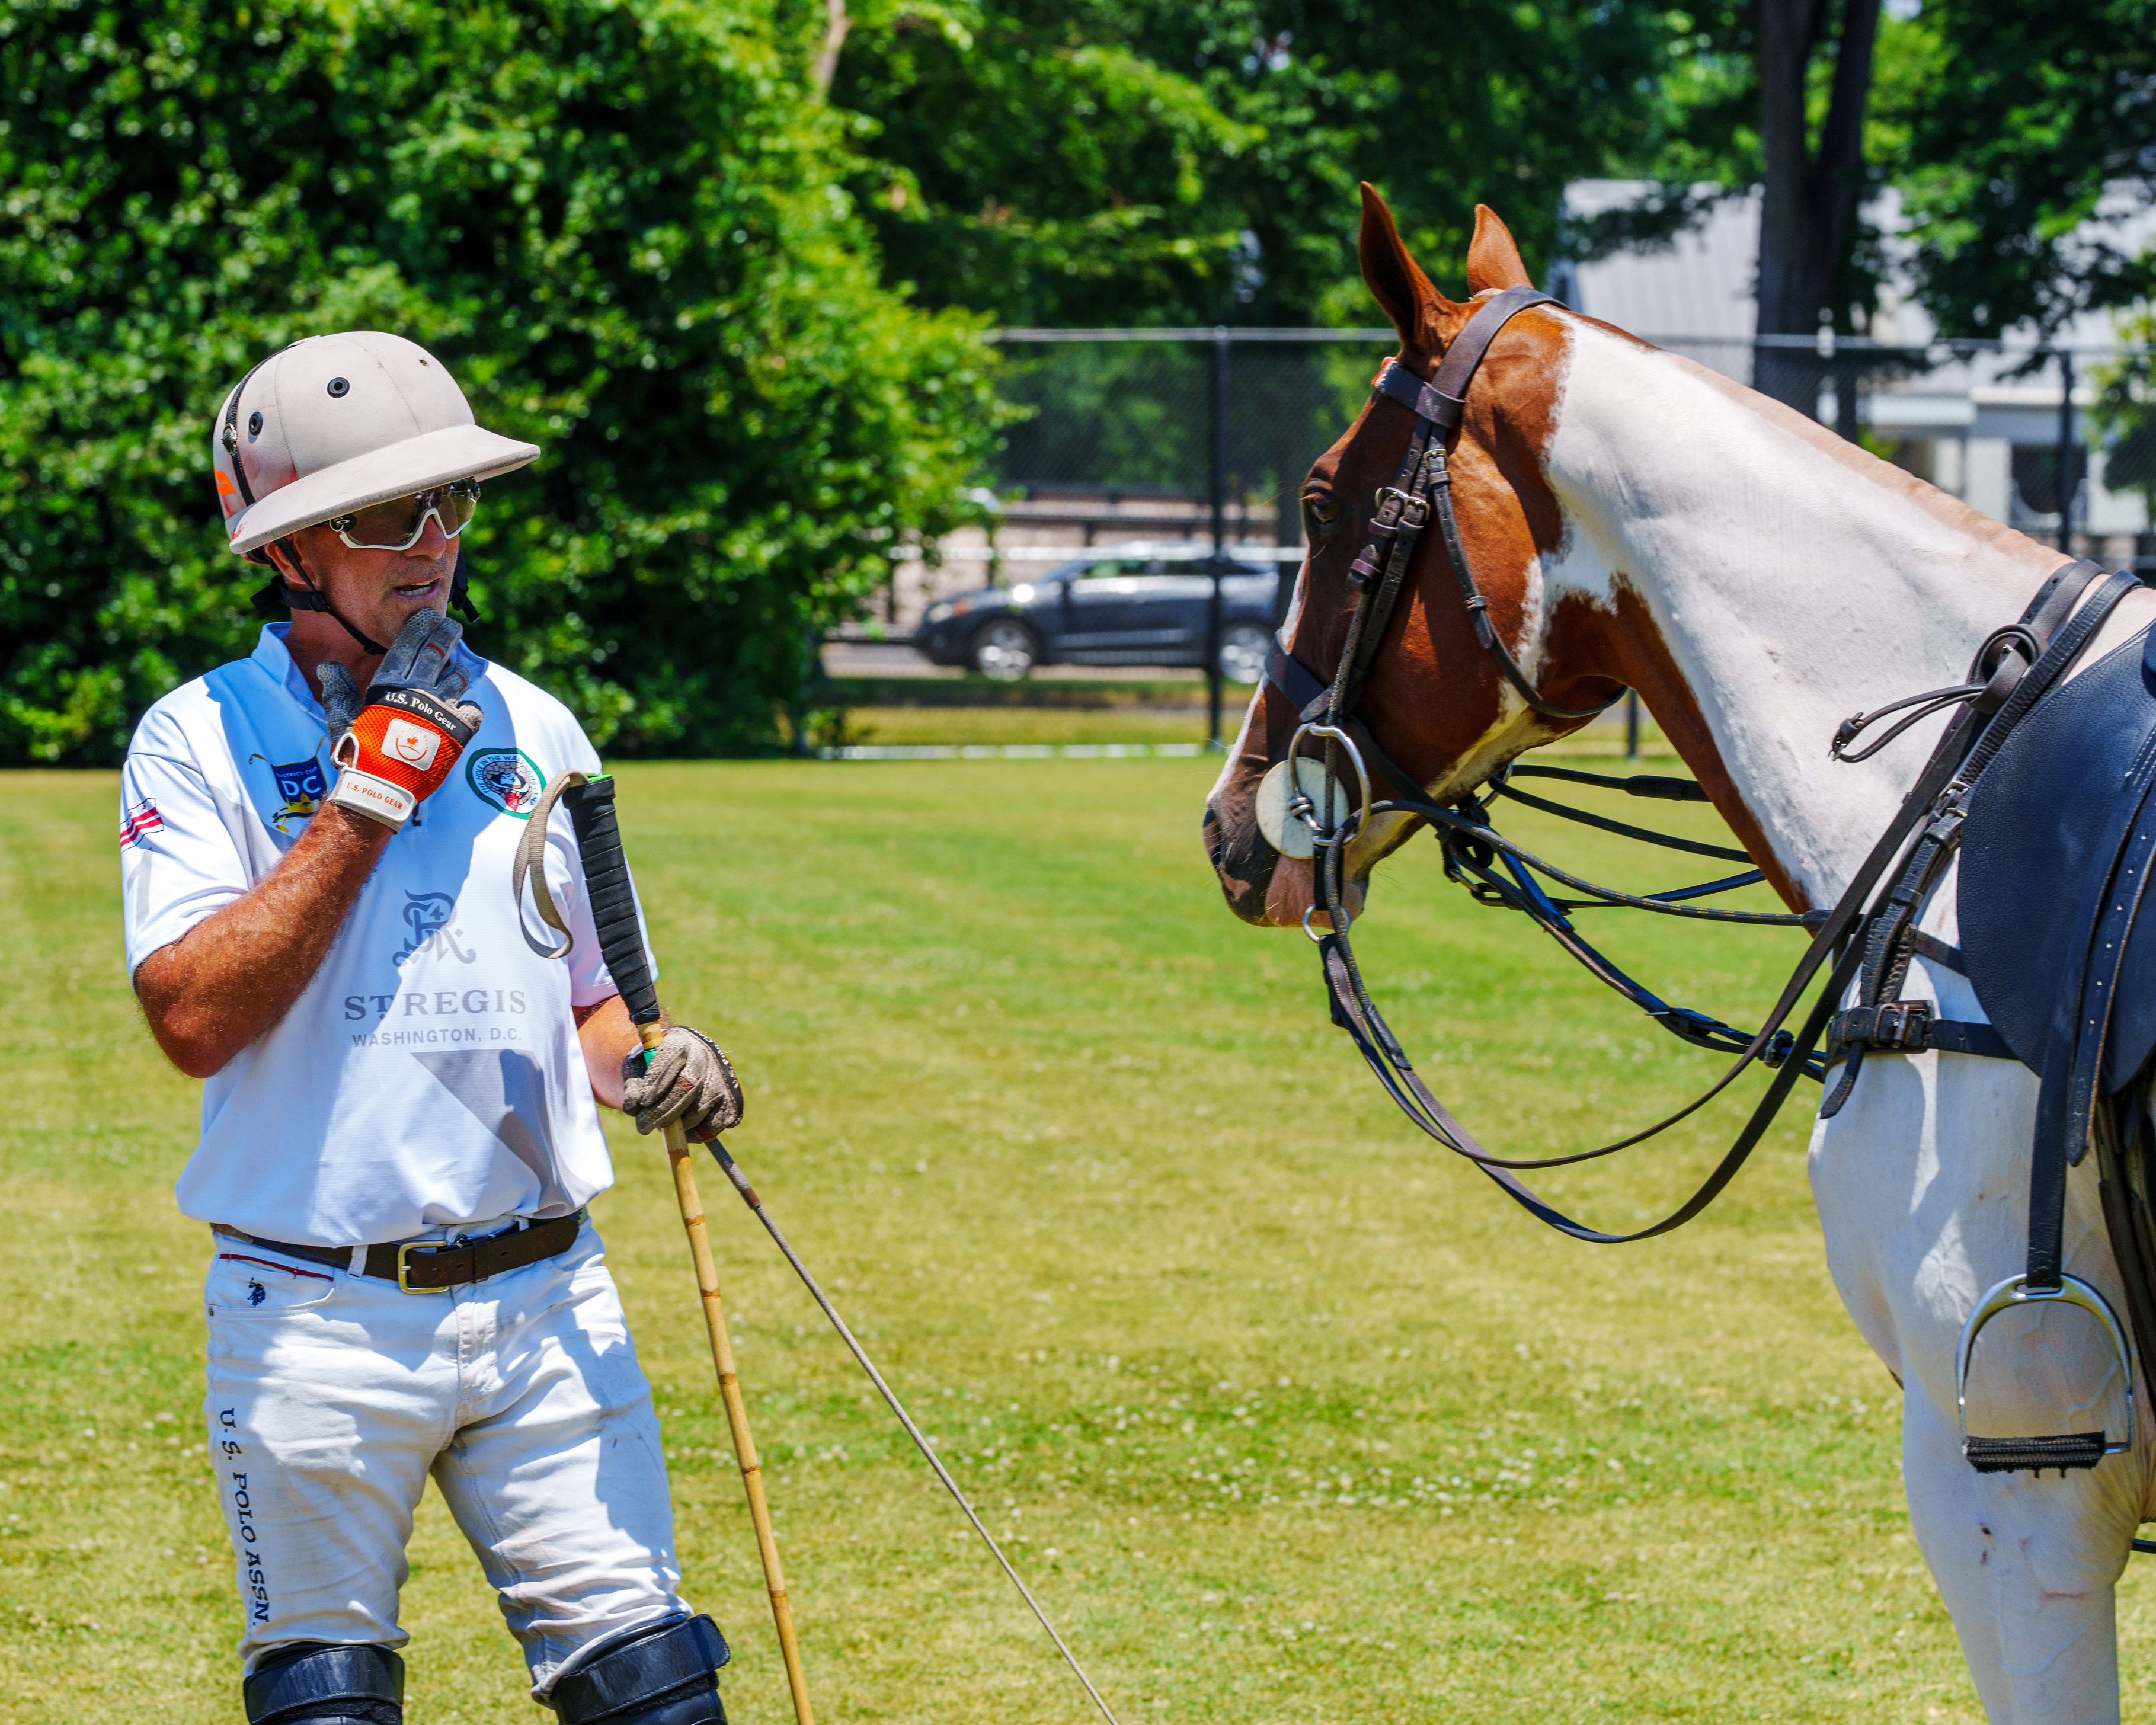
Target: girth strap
1908,1027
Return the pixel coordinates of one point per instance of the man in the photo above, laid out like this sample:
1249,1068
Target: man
399,1130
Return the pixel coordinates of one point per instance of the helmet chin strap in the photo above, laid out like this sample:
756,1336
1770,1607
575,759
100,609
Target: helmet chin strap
277,591
460,587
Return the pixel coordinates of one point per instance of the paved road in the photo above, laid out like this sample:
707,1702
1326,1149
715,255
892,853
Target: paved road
891,658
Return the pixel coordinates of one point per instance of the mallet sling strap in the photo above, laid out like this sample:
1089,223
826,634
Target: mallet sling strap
433,1267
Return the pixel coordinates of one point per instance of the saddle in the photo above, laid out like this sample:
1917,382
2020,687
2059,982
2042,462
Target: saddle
2053,815
2046,822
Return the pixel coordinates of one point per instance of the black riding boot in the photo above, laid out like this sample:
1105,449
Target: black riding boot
314,1683
664,1673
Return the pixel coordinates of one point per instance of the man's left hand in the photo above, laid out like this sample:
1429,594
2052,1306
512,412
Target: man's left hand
688,1079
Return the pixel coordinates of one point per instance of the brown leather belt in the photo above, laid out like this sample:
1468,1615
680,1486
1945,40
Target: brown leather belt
421,1266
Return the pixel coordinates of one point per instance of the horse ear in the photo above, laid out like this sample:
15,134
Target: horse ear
1493,261
1416,308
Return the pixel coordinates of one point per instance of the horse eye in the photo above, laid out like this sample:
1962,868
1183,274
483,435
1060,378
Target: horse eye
1324,511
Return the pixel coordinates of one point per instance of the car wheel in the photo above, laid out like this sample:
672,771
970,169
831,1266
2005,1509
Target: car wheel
1244,647
1004,649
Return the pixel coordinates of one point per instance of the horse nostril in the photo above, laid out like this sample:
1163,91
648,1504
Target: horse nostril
1212,836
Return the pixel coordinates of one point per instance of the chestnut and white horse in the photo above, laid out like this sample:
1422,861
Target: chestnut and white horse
1636,520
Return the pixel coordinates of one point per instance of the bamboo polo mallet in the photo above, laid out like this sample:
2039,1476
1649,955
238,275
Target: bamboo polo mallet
621,940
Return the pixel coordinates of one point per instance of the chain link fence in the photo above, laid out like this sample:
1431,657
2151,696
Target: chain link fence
1137,454
1147,432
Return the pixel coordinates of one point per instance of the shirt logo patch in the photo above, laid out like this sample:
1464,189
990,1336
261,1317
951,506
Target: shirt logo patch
137,821
427,915
301,785
507,778
414,745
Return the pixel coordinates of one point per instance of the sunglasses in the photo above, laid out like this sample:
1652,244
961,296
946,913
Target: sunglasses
398,524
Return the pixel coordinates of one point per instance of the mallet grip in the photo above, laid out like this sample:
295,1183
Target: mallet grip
613,899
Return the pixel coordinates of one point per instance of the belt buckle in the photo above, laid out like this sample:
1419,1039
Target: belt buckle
403,1267
1409,501
1910,1019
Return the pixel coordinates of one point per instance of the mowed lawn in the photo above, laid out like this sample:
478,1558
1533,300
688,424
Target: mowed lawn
1290,1417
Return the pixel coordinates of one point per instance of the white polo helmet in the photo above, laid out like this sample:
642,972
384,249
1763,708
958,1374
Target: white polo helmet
335,422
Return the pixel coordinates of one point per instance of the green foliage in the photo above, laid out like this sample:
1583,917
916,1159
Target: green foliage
1193,161
622,225
2126,410
1700,142
2009,121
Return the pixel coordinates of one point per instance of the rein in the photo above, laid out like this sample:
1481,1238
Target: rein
2014,667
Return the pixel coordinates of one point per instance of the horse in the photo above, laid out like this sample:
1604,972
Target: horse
1635,520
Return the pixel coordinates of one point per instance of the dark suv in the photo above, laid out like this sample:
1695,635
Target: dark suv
1128,605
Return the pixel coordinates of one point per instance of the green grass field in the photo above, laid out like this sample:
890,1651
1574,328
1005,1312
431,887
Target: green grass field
1018,724
1289,1419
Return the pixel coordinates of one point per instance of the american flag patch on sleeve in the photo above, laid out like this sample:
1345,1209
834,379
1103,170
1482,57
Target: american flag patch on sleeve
138,820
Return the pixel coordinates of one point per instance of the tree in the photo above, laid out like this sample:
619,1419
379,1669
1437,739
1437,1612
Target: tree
1810,185
2013,127
621,225
1195,162
1773,94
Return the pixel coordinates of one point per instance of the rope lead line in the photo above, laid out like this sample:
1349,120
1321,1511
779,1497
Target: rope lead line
741,1184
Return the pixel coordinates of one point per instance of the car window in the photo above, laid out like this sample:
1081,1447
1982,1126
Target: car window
1101,570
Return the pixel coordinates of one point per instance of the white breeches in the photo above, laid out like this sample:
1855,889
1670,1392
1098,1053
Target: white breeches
332,1397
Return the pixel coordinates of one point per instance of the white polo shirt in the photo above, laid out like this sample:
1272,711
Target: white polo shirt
429,1075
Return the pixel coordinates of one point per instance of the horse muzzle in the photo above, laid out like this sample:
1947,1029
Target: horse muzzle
1262,886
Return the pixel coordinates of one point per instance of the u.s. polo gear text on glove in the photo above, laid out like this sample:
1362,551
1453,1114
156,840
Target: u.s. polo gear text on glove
399,750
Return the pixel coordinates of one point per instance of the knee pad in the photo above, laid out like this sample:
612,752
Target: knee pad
314,1683
665,1673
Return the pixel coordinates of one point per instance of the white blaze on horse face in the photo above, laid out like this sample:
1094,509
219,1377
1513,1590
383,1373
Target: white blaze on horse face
1258,694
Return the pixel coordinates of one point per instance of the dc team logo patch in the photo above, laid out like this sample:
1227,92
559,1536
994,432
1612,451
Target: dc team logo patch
302,786
508,778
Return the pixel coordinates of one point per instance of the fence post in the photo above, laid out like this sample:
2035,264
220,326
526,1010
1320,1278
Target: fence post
1213,689
2066,451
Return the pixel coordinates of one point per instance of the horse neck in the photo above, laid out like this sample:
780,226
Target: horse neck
1759,581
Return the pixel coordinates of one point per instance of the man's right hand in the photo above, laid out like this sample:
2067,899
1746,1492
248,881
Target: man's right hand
399,745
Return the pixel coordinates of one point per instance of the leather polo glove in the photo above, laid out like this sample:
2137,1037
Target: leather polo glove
394,748
687,1079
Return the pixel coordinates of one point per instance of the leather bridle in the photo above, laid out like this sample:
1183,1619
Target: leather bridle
2013,669
1422,488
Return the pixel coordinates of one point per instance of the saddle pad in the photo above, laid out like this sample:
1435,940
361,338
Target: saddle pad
2036,816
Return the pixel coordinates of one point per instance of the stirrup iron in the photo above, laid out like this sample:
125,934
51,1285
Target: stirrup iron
2066,1449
